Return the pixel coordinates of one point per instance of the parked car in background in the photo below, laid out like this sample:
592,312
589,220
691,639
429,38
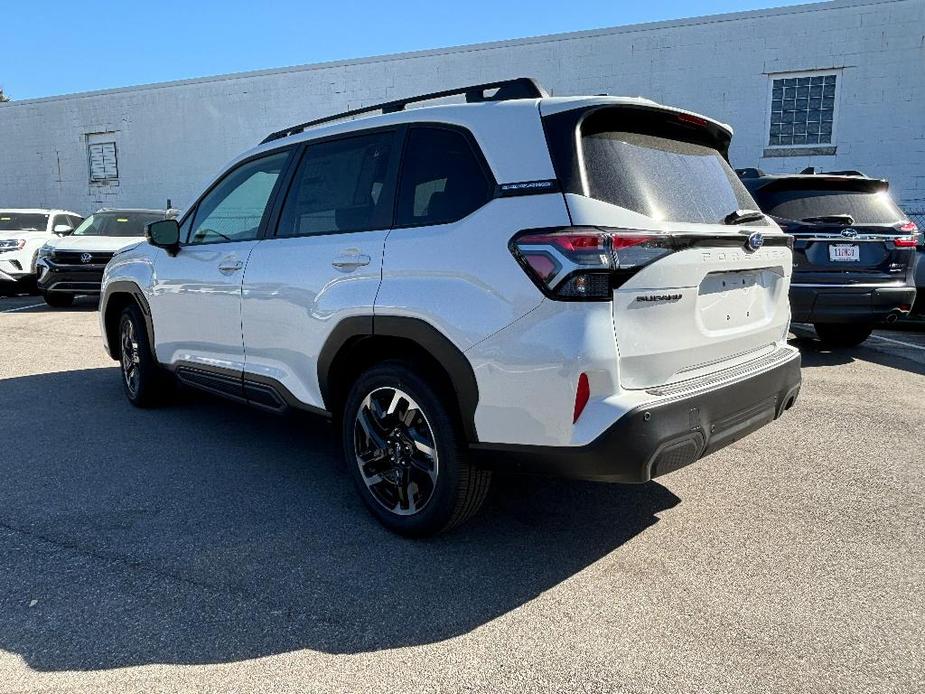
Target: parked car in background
918,308
22,233
853,253
74,264
469,285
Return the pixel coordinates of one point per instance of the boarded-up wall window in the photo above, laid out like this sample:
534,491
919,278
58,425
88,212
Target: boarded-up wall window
104,165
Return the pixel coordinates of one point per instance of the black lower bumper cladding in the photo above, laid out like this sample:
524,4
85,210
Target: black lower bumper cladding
848,304
668,435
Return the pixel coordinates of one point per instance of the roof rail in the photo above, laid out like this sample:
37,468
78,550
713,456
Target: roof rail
518,88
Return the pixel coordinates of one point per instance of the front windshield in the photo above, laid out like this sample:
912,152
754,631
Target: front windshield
117,223
23,221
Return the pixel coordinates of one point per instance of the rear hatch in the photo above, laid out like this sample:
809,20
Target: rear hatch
847,230
696,288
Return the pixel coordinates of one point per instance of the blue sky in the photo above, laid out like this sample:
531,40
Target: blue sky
78,45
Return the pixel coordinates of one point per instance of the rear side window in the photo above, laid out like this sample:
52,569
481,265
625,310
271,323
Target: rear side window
442,180
341,186
662,178
816,205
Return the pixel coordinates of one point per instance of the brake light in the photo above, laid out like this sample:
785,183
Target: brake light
582,395
908,227
688,118
586,263
906,241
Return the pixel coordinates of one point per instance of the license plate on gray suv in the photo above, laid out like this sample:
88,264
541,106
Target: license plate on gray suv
845,253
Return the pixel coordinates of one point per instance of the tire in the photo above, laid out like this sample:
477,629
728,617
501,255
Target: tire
426,484
145,383
58,299
842,335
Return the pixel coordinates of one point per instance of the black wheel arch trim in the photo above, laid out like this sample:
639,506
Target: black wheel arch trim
422,333
133,290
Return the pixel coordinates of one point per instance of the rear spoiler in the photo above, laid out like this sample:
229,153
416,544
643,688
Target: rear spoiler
822,182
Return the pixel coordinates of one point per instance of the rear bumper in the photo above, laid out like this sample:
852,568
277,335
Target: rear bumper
846,303
69,279
663,436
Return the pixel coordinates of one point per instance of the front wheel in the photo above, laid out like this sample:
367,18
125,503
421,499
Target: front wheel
406,453
841,335
145,383
58,299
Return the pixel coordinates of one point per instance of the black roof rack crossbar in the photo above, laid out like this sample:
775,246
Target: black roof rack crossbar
518,88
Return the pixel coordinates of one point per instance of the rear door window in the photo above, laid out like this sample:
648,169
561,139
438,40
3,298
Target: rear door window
442,179
662,178
341,186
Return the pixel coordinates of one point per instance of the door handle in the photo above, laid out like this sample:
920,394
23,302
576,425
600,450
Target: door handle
350,262
230,265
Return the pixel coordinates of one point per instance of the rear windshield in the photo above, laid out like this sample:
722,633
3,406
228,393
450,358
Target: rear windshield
117,223
816,205
23,221
662,178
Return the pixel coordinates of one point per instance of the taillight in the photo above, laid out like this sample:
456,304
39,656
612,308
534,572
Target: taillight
908,227
906,241
586,263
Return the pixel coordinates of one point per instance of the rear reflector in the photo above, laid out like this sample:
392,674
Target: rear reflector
906,241
582,395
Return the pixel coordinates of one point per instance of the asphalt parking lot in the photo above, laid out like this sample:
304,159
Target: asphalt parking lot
206,546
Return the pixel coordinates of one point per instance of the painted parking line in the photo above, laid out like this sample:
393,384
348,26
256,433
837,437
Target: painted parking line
21,308
908,345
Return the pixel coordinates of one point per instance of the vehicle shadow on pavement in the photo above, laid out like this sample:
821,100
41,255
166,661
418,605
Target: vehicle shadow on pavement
814,354
205,532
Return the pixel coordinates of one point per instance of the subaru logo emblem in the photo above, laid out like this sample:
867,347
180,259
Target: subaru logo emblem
849,233
85,257
755,241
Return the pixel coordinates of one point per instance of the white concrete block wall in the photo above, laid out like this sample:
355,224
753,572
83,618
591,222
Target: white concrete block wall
173,137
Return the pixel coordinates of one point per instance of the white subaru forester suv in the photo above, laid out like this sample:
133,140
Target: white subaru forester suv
578,285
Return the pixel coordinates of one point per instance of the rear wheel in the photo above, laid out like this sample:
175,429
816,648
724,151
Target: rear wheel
406,453
840,335
145,383
58,299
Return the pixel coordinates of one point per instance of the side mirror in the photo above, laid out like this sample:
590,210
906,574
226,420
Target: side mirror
62,229
165,234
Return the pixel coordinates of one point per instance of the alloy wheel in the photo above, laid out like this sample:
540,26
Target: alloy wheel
130,357
396,451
